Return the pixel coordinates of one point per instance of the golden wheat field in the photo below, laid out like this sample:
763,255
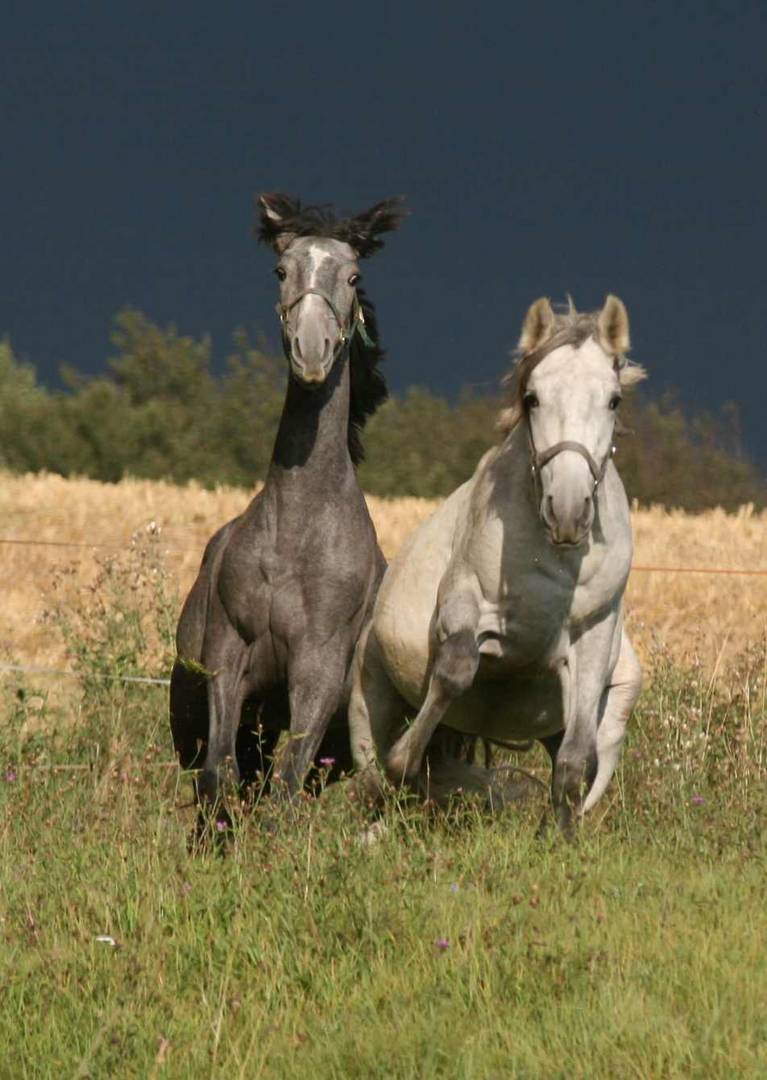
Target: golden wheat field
696,617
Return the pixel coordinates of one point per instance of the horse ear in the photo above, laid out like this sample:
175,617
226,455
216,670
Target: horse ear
613,326
276,214
538,325
365,229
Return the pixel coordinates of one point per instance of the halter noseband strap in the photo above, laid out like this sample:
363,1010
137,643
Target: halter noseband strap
345,333
545,456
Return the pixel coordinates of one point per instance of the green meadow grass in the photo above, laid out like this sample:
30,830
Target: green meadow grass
460,945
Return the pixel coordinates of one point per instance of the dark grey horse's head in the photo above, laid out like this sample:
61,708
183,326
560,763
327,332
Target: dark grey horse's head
318,272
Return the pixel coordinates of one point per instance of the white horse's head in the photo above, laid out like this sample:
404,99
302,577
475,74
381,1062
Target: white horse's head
568,386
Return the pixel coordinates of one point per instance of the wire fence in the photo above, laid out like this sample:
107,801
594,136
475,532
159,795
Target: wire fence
150,680
119,544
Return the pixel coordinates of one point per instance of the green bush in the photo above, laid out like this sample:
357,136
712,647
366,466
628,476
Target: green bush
160,412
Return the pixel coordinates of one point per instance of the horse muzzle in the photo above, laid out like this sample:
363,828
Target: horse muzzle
311,362
567,493
568,517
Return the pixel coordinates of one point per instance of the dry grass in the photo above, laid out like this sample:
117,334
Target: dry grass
635,952
704,617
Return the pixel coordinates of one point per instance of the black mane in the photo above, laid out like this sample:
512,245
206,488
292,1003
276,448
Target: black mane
368,386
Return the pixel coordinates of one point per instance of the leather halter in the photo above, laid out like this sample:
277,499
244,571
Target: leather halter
545,456
345,333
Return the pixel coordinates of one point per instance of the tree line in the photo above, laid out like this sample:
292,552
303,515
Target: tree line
160,412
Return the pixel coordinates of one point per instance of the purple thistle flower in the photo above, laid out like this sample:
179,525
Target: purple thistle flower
442,943
221,826
327,762
697,800
10,776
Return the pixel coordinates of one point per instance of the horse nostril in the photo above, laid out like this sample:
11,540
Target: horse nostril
297,347
550,508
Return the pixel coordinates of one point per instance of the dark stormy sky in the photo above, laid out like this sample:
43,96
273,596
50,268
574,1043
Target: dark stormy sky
542,147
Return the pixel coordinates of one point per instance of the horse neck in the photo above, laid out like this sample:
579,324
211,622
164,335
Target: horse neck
312,438
512,468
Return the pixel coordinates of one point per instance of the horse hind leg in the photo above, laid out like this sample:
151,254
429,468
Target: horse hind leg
256,742
220,769
451,767
189,717
551,744
188,713
376,715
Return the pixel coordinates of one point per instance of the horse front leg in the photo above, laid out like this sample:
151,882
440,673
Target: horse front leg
583,676
576,751
455,664
316,685
618,703
226,663
220,772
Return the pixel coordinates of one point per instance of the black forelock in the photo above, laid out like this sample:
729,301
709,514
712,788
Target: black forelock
361,231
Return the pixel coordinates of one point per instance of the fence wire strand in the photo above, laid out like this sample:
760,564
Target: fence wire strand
150,680
119,544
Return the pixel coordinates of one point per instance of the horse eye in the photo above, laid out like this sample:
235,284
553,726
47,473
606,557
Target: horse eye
615,401
281,272
531,401
354,279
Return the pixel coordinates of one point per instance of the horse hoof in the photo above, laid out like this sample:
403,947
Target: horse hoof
373,835
211,834
399,771
367,787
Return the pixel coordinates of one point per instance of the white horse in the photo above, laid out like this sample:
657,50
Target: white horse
502,616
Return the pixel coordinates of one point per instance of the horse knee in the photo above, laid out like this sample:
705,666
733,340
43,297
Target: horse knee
456,663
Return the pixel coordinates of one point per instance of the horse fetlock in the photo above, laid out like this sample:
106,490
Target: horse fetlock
367,787
400,766
215,780
572,779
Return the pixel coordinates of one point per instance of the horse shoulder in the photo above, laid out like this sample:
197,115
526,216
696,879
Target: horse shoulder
191,625
487,529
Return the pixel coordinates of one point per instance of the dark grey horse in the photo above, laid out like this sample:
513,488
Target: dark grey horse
267,633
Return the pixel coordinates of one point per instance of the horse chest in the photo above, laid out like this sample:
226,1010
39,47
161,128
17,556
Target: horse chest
527,626
532,607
